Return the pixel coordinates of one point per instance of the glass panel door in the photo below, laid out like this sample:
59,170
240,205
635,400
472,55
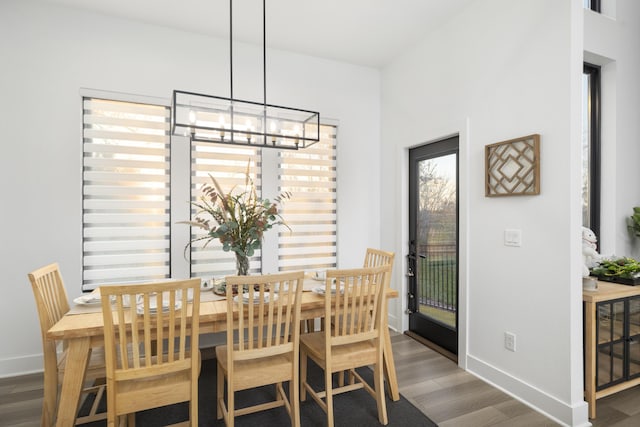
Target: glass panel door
433,206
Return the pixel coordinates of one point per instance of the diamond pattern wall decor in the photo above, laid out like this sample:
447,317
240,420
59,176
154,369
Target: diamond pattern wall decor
513,167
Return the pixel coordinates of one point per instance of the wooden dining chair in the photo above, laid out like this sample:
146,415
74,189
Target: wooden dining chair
354,302
52,303
263,332
377,257
151,336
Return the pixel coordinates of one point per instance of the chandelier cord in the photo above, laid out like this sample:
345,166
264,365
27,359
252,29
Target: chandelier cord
264,51
231,47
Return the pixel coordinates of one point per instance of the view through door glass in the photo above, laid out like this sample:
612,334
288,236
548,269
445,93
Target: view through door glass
433,229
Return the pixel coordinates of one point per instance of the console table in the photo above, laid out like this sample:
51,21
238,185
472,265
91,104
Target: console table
611,340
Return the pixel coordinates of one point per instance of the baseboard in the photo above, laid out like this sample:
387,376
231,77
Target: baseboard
23,365
561,412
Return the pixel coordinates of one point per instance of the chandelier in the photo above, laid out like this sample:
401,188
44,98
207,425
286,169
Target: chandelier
208,118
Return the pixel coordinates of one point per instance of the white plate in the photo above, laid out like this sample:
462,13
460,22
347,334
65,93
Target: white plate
321,290
88,299
153,308
245,298
285,288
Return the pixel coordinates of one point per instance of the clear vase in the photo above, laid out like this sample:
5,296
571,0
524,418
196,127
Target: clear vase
242,265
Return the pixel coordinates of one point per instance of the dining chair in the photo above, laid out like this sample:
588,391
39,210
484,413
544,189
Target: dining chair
354,301
377,257
151,337
373,258
263,332
52,303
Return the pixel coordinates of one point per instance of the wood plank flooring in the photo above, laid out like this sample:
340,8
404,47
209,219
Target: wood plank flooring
433,383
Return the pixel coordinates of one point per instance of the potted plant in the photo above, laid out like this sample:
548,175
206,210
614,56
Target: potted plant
634,221
622,270
238,218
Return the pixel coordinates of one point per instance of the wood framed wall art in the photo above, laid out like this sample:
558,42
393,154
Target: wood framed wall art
513,167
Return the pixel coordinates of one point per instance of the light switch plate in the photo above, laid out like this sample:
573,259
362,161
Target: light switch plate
512,237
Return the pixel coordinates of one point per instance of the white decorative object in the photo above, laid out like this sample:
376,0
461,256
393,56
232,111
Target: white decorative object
589,253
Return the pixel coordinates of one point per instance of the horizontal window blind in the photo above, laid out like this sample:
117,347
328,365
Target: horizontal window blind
311,213
126,192
227,164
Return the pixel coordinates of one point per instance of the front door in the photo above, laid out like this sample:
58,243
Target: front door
433,242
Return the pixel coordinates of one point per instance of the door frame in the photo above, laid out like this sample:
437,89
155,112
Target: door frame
438,133
443,336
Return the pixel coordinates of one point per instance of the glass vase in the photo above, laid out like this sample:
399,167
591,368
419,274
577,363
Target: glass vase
242,265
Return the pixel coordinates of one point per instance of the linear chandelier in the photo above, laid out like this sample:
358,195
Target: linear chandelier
208,118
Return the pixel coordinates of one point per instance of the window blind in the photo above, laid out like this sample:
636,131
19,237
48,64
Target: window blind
311,213
227,164
126,192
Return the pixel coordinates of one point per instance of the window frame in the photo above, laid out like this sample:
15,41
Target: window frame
181,163
109,100
594,102
594,5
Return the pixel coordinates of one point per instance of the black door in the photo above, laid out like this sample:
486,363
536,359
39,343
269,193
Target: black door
433,240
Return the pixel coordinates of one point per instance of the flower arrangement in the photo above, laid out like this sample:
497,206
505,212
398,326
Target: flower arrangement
237,218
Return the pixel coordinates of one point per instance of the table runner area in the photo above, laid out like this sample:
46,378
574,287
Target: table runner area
205,296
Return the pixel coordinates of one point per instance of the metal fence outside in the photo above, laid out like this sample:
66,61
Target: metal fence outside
437,277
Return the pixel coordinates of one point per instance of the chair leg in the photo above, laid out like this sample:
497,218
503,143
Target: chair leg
328,387
294,395
219,391
380,398
303,376
231,408
193,406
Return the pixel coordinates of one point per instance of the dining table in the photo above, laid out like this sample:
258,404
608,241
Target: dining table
82,329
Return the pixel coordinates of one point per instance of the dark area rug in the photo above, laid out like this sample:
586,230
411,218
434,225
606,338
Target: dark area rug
353,409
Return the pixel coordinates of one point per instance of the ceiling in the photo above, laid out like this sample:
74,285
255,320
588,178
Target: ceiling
363,32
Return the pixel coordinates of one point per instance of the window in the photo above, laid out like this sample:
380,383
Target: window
127,225
592,4
228,165
310,175
125,204
591,148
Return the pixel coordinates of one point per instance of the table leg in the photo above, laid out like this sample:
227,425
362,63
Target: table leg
590,357
78,353
389,364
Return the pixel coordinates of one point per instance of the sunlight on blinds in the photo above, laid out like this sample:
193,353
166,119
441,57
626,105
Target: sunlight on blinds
126,190
227,164
310,175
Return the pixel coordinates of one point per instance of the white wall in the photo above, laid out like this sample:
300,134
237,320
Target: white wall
48,53
499,70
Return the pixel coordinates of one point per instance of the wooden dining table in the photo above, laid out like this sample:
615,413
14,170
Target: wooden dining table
83,330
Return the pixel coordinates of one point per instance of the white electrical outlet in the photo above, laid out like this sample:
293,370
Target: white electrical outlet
510,341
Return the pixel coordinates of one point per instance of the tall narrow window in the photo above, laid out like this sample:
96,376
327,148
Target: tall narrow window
592,4
310,175
126,192
227,164
591,148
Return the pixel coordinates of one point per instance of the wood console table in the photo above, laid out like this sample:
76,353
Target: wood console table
611,333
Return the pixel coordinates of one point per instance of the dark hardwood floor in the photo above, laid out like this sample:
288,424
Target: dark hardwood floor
433,383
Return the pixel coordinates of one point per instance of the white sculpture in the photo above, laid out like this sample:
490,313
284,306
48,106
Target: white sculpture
589,253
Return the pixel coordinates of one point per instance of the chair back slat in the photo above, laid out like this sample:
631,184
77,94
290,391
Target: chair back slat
264,315
145,318
353,299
